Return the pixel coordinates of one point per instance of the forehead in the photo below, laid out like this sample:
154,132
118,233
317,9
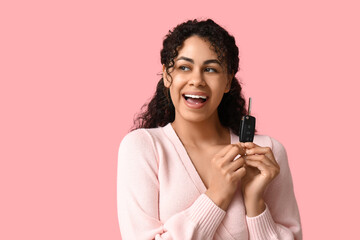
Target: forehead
197,48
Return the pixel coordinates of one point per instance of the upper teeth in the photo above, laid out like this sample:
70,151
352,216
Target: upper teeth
195,96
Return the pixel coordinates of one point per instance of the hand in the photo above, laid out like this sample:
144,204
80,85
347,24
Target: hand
261,169
225,173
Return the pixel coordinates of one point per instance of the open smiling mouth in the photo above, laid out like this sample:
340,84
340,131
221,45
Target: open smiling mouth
194,99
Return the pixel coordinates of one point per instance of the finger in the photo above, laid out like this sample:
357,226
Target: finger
233,152
224,150
257,164
265,170
261,158
241,146
250,145
258,150
235,165
240,173
261,150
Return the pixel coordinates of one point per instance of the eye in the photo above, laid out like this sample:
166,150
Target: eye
210,69
184,68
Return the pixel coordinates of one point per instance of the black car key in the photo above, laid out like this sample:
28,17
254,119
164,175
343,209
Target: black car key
247,127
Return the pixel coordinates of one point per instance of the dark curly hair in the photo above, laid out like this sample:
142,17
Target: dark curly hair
160,110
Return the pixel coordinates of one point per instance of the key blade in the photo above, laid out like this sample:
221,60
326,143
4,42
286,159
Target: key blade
249,108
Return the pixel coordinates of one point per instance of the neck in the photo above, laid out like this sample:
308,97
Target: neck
201,134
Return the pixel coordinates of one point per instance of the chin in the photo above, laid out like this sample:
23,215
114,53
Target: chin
194,117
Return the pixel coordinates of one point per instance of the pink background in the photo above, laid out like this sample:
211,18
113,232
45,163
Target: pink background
74,73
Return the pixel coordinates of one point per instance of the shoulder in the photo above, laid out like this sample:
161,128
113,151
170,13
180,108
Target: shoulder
142,137
137,152
136,137
142,142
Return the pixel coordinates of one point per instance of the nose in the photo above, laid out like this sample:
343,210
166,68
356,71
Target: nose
197,79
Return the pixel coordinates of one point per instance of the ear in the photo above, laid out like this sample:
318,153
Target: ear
228,85
166,80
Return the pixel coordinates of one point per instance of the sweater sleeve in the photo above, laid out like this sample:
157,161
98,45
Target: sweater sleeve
138,198
281,219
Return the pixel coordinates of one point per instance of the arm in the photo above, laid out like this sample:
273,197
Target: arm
138,203
281,219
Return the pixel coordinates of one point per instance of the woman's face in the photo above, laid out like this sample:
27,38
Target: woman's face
199,81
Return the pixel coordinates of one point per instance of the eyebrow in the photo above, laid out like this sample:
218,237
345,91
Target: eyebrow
205,62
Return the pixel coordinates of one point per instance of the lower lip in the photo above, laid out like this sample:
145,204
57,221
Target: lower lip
195,105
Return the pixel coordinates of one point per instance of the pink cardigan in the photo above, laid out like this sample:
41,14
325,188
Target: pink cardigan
161,195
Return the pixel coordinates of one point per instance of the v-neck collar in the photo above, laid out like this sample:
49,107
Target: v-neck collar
185,158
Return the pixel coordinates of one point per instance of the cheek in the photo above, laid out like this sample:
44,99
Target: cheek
174,93
175,88
218,93
217,98
218,87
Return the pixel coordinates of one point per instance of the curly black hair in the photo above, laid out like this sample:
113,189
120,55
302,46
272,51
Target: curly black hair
160,110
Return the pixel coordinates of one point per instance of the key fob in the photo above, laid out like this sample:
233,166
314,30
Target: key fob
247,127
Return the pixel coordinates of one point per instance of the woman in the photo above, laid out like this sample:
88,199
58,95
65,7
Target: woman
182,173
